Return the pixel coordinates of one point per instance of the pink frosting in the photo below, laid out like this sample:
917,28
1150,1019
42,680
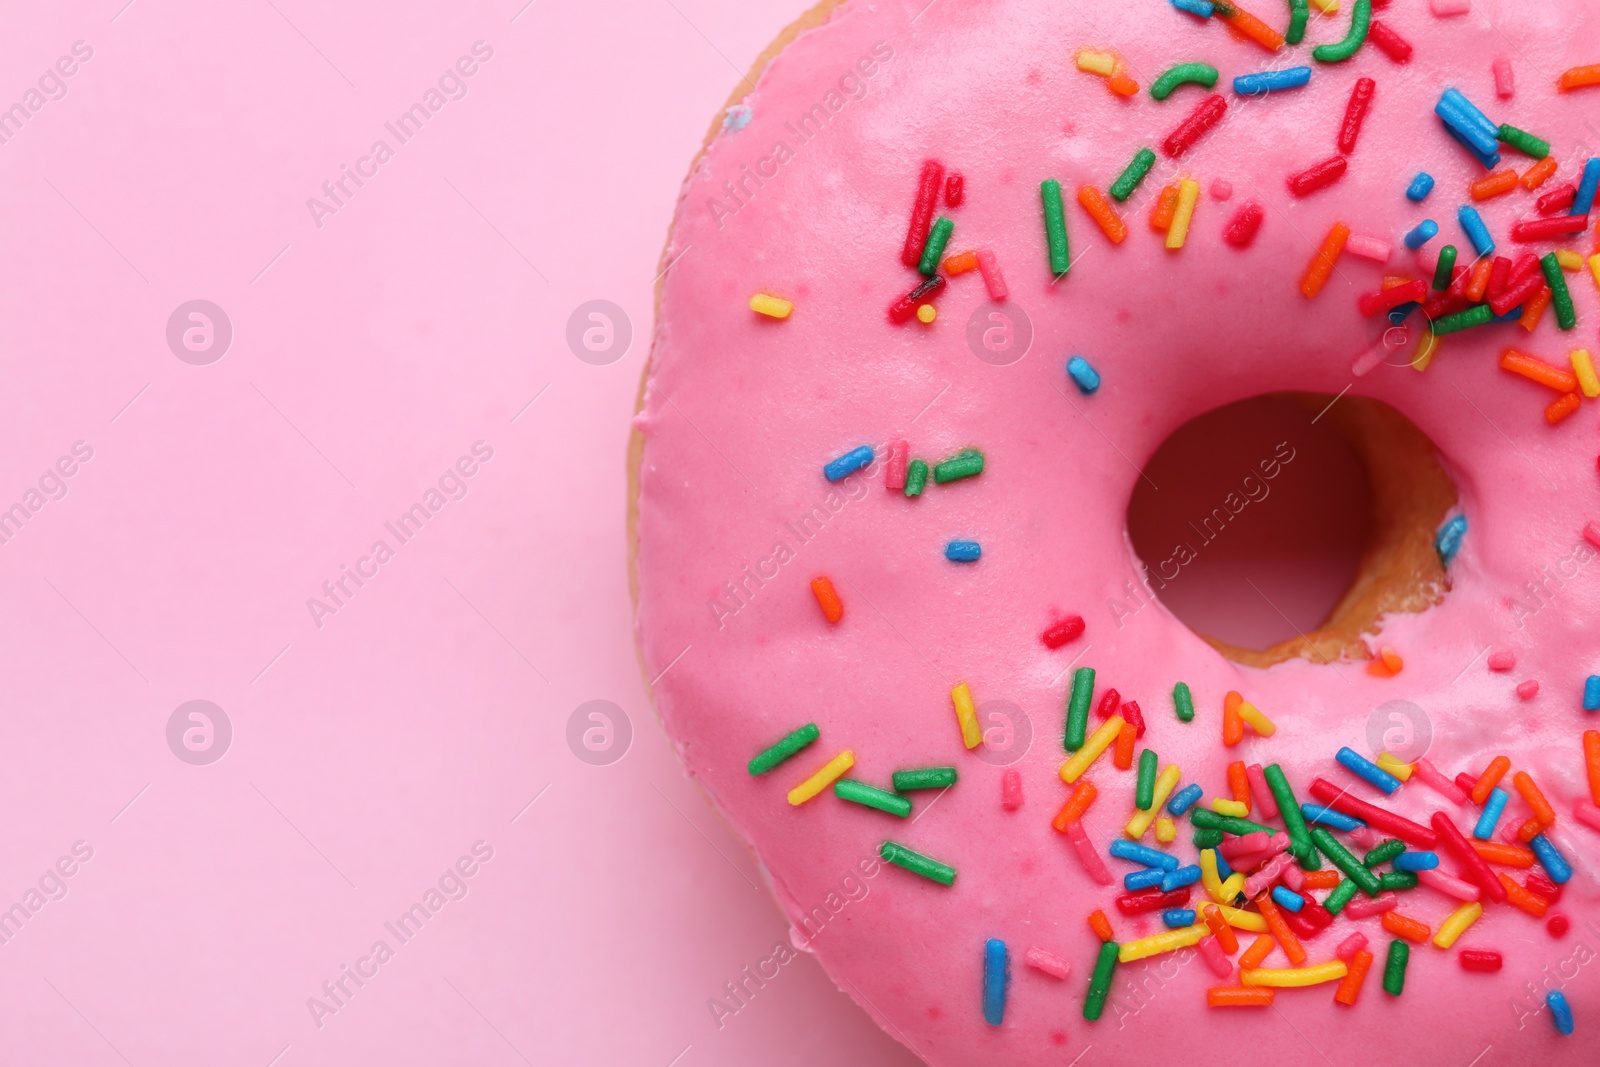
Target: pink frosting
809,202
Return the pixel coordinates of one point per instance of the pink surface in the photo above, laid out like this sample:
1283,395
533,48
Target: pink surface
743,412
368,356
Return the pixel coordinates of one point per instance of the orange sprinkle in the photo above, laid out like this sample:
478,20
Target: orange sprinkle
1496,184
1101,925
1386,664
1519,897
1539,173
1491,777
1095,204
1122,85
1076,805
961,262
1591,760
1166,205
1232,724
1252,28
1505,855
1560,409
1577,77
1258,951
1239,782
1122,758
1533,310
1220,928
822,589
1525,785
1280,931
1235,996
1320,879
1562,381
1478,283
1406,927
1321,265
1529,830
1350,984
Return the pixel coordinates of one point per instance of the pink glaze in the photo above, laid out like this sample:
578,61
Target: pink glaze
734,515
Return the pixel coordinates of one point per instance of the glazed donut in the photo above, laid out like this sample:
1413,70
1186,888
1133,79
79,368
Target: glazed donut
940,285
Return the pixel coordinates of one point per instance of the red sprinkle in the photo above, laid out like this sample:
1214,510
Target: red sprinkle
1591,533
1134,717
1205,115
1516,293
1479,959
1318,176
1390,43
1473,866
1109,704
1355,113
1011,789
1551,229
1558,199
955,189
1388,299
1499,276
1542,885
1241,229
1526,264
1152,900
1062,630
922,212
1378,818
1557,925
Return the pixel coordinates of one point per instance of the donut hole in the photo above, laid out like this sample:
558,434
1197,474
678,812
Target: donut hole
1287,525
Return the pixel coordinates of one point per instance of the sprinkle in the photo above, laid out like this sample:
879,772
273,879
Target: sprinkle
1481,960
1183,705
1504,85
771,306
1232,725
1064,629
993,280
1178,230
1316,813
1569,259
996,977
1230,807
1413,292
769,758
1143,855
1389,42
1202,74
1420,187
1078,710
1421,234
1171,941
916,477
1164,785
1048,962
901,310
965,464
1239,783
1259,950
1203,8
1259,791
1122,85
1105,966
966,715
933,250
1368,771
1350,986
1463,320
1406,927
1145,789
928,184
1110,224
1534,797
1554,863
1473,865
1241,229
871,796
1560,1011
955,190
1395,766
1102,63
924,778
1298,977
1358,873
1493,808
917,863
1205,115
1447,8
1517,290
1215,958
1090,749
1174,918
1011,789
1591,741
1560,296
1473,224
1161,212
1252,27
1386,821
1539,173
1360,908
1469,124
1534,308
1184,799
1101,925
1383,853
1287,898
1507,855
1085,377
1280,931
1493,185
1321,265
824,777
848,463
1132,175
894,470
1530,231
1299,14
1355,113
1076,805
1270,81
1166,829
1135,717
1256,720
1238,997
1318,176
1523,141
1093,865
1394,971
1579,78
1521,898
1055,227
926,313
1591,702
1456,924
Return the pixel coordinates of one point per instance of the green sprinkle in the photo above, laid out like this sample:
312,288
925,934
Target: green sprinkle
1560,296
917,863
871,796
933,248
1299,14
1462,320
1360,18
1183,74
1144,792
924,778
1105,965
1341,895
1382,853
916,477
1345,860
1289,808
770,757
1524,142
1207,838
965,464
1445,272
1206,819
1397,880
1394,970
1055,226
1078,708
1183,702
1130,178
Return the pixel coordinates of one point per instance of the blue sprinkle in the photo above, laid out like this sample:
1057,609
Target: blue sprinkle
1425,231
1511,316
1203,8
1591,693
1178,917
1365,769
1287,898
1085,376
1143,854
1560,1011
996,976
1553,862
1464,118
963,551
1271,80
1179,878
736,118
1184,799
1416,861
1420,187
1224,872
848,463
1448,541
1143,879
1400,314
1587,186
1472,222
1486,160
1493,808
1328,817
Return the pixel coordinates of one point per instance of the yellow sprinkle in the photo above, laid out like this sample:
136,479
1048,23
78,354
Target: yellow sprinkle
1583,368
1232,886
1210,879
1457,923
1236,808
1569,259
1166,831
926,313
1242,920
1294,977
1096,743
1395,766
770,306
1258,722
823,778
1101,63
1594,267
966,715
1164,785
1426,348
1178,231
1327,7
1171,941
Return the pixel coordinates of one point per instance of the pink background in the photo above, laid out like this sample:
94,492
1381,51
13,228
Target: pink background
368,754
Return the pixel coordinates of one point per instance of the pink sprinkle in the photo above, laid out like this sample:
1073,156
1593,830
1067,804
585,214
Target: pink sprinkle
1374,248
1587,814
1264,878
1294,878
1365,907
1503,660
1234,847
894,472
1350,946
1368,361
989,267
1366,837
1093,865
1511,833
1221,189
1446,8
1448,885
1258,781
1011,790
1504,87
1436,781
1591,534
1529,689
1215,958
1048,962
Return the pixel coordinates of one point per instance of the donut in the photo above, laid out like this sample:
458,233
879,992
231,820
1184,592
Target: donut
945,285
